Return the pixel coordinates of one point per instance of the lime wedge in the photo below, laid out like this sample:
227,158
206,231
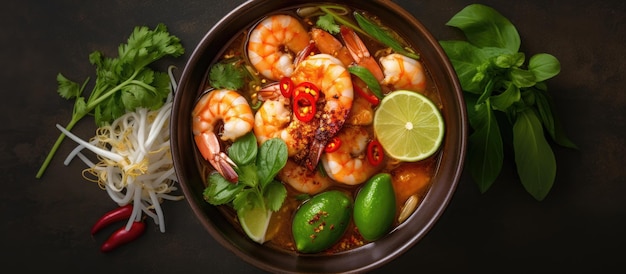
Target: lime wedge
254,222
408,125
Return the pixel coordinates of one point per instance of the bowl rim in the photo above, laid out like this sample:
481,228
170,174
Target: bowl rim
305,262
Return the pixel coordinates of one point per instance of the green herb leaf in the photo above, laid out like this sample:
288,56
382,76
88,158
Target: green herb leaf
271,159
122,81
220,191
369,79
227,75
507,98
68,89
246,199
550,122
275,193
534,158
244,150
489,65
327,23
522,78
485,27
485,152
544,66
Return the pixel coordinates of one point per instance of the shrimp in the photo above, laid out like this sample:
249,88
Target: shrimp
327,43
402,72
361,114
303,179
349,164
335,84
229,108
354,52
270,41
275,119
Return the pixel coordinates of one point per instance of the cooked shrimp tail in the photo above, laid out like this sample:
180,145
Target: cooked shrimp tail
209,147
360,53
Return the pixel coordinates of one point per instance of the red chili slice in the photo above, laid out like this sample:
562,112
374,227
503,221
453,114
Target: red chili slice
333,145
375,153
304,106
371,98
307,87
286,86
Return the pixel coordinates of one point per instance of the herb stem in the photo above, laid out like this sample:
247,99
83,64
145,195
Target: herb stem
56,146
79,115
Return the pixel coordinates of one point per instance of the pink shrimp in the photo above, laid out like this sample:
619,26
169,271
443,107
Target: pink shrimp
275,119
274,42
303,179
402,72
230,108
349,164
335,85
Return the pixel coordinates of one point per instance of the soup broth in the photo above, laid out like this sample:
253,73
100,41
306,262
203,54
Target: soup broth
411,180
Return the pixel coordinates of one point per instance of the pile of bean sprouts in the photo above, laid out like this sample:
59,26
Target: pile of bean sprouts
135,163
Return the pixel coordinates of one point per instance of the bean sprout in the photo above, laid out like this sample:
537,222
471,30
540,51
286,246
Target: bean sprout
135,163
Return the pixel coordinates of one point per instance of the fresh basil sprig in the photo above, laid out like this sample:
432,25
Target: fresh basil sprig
502,96
256,169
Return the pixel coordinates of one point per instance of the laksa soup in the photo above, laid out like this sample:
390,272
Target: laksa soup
317,130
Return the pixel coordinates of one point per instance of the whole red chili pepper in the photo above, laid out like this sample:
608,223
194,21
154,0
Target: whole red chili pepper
116,215
123,236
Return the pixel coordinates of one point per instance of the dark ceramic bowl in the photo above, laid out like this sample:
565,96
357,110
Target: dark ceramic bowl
366,257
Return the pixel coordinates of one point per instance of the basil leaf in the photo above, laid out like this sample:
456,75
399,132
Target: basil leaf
244,150
271,159
465,59
522,78
485,27
369,79
544,66
534,158
507,98
485,152
549,120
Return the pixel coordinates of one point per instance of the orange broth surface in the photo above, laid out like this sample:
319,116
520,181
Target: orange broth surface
408,178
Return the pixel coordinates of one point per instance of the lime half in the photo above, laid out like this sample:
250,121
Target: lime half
408,125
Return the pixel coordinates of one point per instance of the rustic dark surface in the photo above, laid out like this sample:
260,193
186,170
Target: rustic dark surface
579,227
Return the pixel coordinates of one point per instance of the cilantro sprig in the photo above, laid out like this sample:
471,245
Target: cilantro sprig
257,167
123,83
503,95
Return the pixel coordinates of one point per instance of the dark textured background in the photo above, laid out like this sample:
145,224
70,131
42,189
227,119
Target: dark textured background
579,227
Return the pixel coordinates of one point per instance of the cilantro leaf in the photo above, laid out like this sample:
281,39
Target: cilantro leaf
227,75
327,23
122,83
